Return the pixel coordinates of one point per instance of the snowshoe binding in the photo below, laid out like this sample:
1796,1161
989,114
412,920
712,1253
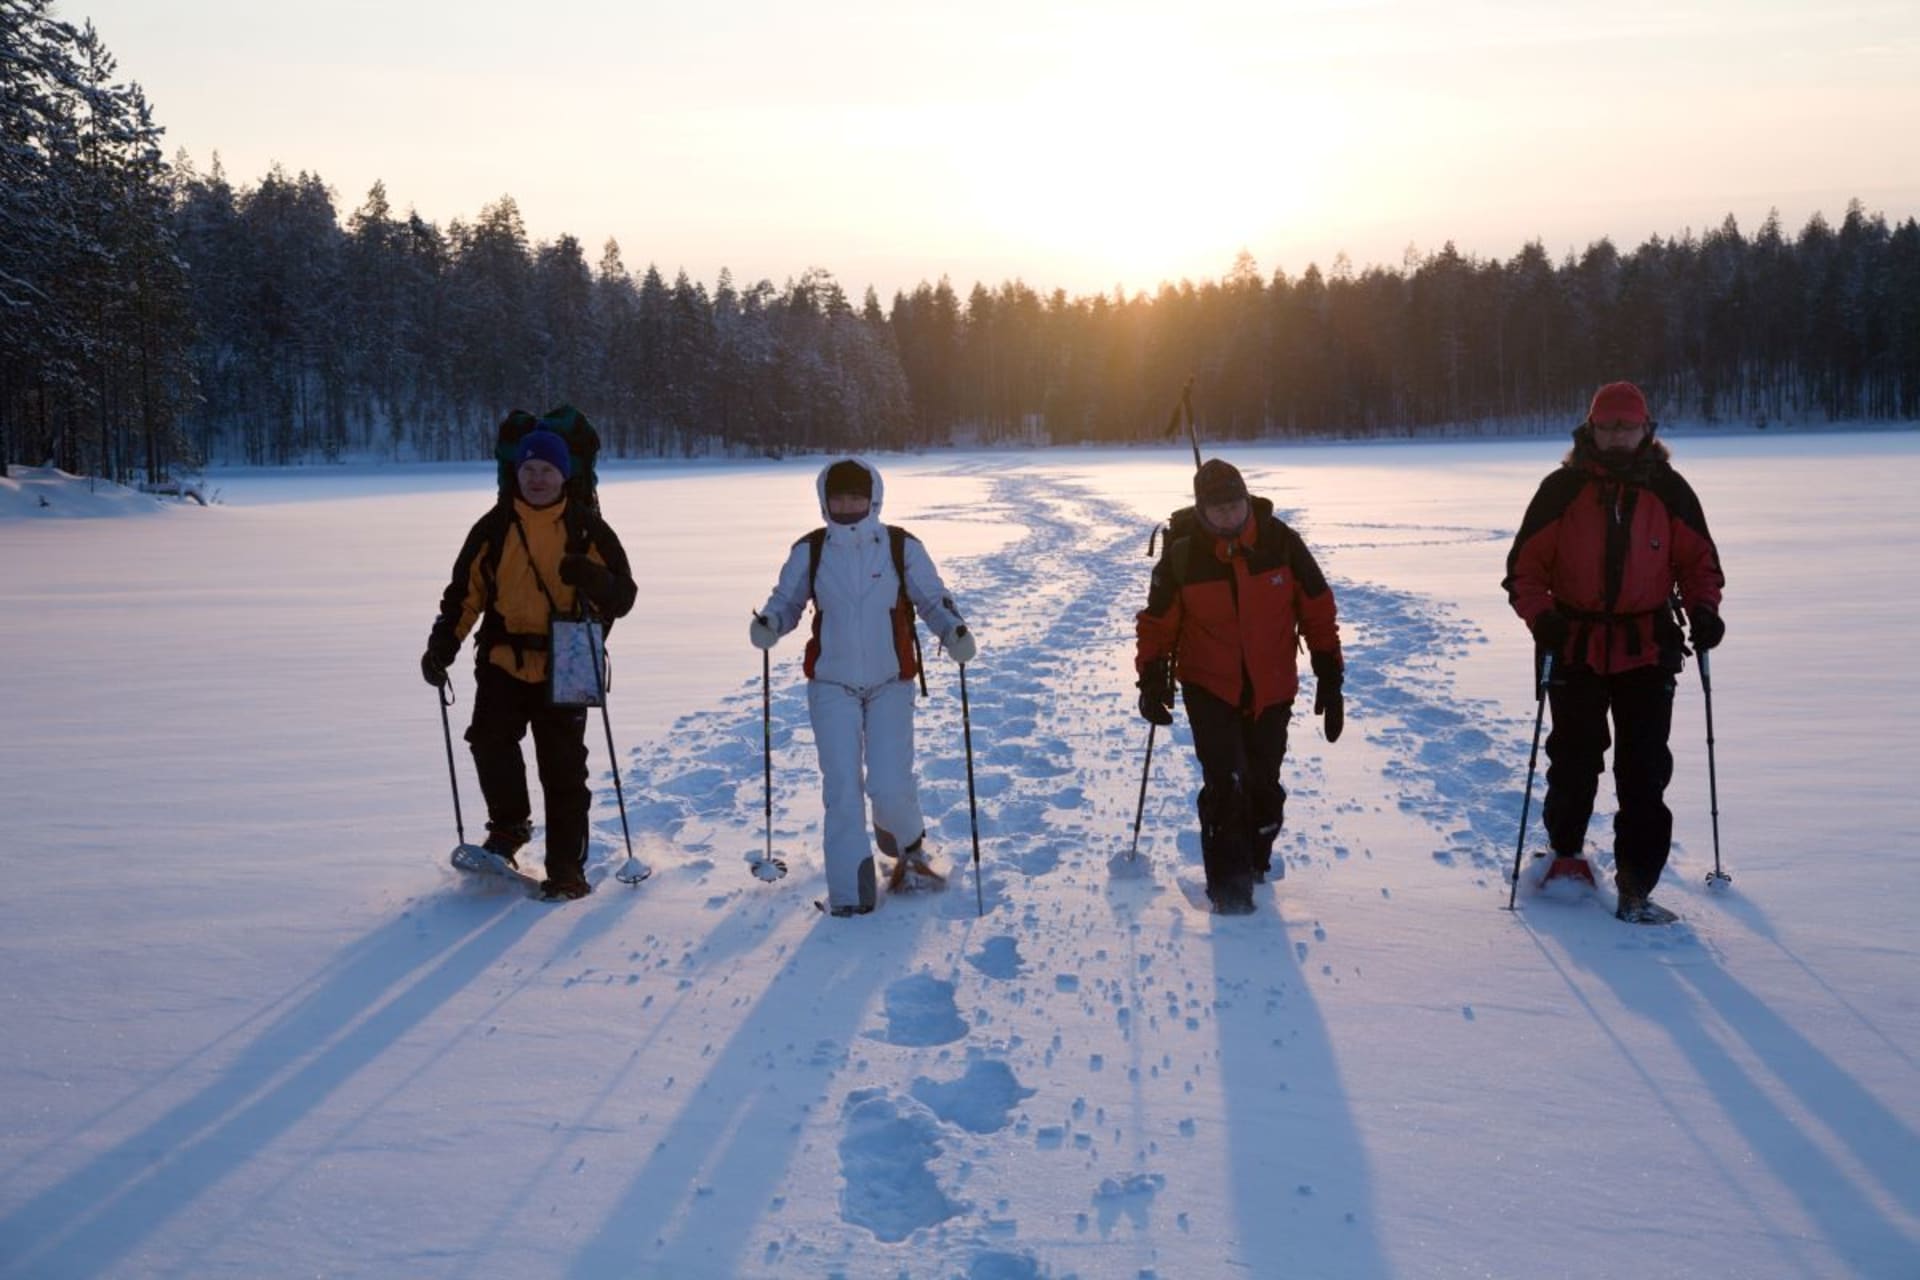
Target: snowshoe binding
1570,867
913,873
505,839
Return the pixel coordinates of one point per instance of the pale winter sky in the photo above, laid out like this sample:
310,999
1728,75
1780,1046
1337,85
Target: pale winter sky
1080,146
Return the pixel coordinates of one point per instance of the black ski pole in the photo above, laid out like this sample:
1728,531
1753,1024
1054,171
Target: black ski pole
1140,808
633,871
1526,803
973,812
1717,876
445,696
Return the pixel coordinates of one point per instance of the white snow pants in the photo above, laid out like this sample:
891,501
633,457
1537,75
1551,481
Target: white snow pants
874,727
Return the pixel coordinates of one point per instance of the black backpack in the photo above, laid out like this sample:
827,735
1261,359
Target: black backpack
583,444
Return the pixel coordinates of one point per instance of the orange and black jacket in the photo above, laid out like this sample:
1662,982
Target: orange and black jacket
1608,546
507,578
1231,611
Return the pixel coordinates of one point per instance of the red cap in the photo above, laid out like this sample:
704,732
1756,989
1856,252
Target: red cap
1619,402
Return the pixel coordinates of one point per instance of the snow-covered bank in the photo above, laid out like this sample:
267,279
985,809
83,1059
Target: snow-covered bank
257,1027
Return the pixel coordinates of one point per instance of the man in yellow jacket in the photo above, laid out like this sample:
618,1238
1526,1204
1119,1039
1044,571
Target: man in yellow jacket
539,554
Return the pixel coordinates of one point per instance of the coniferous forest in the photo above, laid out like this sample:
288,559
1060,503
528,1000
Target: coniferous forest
154,317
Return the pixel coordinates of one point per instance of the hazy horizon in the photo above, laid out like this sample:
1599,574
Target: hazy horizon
1063,146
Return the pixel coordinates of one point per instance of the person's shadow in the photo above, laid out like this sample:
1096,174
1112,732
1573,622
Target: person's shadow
1297,1168
375,993
694,1203
1689,994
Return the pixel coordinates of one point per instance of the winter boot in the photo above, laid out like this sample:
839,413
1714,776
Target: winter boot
504,839
1639,909
565,889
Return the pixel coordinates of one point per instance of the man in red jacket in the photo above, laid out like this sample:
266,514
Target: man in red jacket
1232,593
1609,539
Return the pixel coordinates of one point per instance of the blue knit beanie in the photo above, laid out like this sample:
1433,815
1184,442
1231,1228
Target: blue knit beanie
548,448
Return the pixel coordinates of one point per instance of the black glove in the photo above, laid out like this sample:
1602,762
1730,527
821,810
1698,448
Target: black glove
591,579
442,648
1156,692
1705,626
1328,700
1550,631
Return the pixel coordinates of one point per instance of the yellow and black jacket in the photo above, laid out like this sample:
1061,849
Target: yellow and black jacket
508,579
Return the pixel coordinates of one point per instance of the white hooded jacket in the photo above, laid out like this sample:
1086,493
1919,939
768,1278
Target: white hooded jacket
856,589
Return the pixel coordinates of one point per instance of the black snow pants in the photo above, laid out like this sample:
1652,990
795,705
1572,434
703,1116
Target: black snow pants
1242,804
504,707
1641,701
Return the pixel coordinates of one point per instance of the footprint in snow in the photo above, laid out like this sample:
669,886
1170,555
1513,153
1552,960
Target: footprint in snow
998,957
884,1154
921,1011
996,1265
979,1101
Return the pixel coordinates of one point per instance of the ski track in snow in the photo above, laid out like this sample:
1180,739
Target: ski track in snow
1057,751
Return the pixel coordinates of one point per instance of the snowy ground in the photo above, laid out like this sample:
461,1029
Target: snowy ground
256,1026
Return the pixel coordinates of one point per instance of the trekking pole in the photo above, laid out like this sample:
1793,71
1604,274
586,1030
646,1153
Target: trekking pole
1716,876
767,868
1140,808
632,871
1539,715
973,812
445,697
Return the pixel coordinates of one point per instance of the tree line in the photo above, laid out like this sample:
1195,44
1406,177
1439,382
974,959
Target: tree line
157,316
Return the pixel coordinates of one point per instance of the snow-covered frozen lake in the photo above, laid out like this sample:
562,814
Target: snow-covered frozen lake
255,1025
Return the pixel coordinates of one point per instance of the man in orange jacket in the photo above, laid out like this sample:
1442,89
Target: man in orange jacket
1232,593
1609,539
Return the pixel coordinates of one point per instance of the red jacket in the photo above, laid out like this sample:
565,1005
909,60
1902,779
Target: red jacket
1233,609
1607,547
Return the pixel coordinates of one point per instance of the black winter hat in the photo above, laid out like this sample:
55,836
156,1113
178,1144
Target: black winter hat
1216,483
848,476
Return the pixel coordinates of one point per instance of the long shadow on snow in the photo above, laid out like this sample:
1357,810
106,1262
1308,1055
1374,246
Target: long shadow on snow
693,1206
1301,1186
1677,998
98,1215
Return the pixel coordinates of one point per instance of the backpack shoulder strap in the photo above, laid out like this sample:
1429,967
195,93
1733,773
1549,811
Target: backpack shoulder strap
815,541
897,543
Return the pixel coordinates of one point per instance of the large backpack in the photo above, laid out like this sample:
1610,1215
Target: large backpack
583,443
902,611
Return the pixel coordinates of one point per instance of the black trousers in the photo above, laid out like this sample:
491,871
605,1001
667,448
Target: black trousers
1641,702
1242,804
504,708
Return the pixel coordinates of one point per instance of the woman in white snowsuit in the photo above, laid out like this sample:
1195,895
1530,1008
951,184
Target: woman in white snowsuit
860,664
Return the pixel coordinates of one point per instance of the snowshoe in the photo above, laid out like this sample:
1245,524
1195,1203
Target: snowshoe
1233,906
842,912
1635,909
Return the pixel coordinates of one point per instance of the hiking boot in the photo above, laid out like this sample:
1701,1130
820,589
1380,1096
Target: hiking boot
504,839
1638,909
565,889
